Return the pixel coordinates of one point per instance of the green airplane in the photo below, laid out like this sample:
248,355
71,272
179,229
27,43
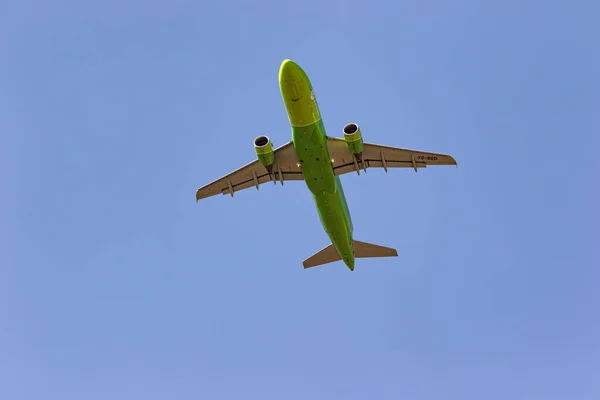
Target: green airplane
319,160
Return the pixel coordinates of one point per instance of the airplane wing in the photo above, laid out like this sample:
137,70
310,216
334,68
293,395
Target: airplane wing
254,174
378,156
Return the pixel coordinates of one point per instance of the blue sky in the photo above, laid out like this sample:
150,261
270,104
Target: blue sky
116,284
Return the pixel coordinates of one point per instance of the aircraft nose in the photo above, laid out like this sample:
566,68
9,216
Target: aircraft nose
287,69
290,80
297,94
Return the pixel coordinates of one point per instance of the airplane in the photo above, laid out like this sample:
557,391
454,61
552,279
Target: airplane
318,160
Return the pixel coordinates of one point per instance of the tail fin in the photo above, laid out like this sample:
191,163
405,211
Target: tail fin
361,250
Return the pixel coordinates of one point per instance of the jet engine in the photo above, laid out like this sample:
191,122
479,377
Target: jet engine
264,151
353,138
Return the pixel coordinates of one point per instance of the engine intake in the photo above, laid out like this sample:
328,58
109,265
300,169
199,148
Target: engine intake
264,150
353,138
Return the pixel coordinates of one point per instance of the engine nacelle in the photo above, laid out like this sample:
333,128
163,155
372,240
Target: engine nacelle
353,138
264,151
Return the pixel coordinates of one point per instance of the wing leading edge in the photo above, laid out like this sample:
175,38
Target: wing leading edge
254,174
378,156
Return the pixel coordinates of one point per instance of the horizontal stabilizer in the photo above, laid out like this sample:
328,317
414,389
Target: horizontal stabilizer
325,256
361,250
368,250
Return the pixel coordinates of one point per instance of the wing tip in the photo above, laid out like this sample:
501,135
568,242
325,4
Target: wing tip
452,160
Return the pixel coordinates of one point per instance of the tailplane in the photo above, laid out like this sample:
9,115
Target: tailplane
368,250
361,250
327,255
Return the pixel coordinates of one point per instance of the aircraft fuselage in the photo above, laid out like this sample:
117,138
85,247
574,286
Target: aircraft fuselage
310,141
